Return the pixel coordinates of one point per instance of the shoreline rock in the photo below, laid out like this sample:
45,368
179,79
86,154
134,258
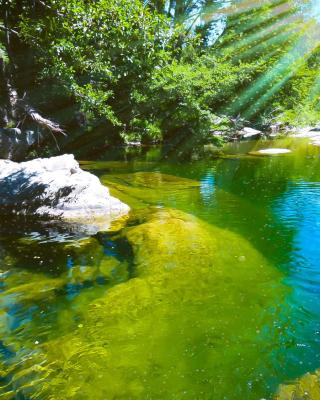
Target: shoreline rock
270,152
57,188
250,134
15,144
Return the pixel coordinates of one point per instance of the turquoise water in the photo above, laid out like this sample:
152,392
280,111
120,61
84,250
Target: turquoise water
238,337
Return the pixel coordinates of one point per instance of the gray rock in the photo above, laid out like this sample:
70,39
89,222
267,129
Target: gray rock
14,144
305,132
315,129
57,188
275,129
250,133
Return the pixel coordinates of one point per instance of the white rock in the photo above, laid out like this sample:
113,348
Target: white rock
250,133
306,133
273,151
315,141
14,144
56,188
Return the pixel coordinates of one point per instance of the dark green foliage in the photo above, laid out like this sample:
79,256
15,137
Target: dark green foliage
99,51
181,99
152,70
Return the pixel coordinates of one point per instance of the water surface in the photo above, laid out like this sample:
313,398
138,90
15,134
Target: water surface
234,329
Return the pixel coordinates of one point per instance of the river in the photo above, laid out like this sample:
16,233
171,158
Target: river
78,322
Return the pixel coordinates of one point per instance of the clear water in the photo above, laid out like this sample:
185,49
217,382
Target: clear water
78,322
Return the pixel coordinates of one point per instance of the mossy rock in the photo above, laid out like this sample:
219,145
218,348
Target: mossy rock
28,286
305,388
141,189
154,180
162,334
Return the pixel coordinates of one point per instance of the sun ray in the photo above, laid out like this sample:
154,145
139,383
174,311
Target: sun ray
284,69
281,27
286,31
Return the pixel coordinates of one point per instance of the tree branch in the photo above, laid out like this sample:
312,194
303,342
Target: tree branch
44,122
4,28
49,8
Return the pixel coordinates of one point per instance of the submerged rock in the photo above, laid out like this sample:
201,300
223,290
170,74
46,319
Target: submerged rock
196,290
141,189
57,188
87,263
156,180
179,240
305,388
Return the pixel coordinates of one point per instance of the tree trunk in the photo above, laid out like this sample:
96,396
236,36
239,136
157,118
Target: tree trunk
9,94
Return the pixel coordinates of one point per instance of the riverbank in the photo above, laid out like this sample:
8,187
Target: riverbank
20,145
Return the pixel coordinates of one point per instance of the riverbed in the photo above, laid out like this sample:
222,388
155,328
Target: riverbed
83,318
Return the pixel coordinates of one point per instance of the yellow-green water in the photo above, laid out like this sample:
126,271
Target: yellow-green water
211,290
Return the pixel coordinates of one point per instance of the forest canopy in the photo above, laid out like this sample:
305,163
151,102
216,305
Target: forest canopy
114,71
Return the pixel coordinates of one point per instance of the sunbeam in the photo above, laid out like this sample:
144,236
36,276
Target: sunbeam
285,35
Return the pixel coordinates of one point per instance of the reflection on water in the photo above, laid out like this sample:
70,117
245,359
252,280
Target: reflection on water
207,186
233,329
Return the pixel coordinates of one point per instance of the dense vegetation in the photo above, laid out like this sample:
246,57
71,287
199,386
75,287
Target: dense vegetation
112,71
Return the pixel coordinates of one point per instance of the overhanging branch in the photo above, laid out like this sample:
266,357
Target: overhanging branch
4,28
43,122
49,8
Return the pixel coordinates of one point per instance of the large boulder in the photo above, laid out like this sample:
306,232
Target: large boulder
186,324
56,188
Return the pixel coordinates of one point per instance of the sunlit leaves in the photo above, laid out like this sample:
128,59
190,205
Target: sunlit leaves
278,38
99,49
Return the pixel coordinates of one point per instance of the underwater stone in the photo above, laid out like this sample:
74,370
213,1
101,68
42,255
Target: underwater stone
165,322
141,189
307,387
57,188
165,239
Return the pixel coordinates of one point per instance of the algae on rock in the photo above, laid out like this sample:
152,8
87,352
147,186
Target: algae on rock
162,334
141,189
305,388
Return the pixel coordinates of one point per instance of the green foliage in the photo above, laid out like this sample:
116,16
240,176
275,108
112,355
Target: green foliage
182,97
3,54
99,51
149,69
281,51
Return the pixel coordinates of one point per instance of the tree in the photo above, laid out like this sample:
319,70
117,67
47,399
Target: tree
276,40
154,69
15,108
99,51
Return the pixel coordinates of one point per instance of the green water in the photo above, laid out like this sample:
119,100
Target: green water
210,291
